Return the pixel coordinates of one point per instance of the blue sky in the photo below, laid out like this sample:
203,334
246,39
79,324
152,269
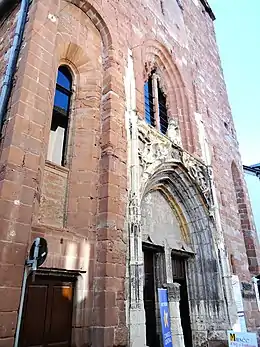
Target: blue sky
238,35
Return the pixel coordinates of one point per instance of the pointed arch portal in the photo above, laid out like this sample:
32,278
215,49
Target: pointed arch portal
172,238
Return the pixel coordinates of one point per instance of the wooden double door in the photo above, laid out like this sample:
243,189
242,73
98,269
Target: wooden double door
47,314
154,275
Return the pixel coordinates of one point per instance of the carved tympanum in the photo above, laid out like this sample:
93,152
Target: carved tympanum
154,148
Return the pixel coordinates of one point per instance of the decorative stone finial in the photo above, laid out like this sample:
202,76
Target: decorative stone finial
174,132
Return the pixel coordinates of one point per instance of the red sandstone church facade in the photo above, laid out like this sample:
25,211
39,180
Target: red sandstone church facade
118,147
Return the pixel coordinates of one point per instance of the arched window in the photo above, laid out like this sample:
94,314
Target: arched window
155,104
60,117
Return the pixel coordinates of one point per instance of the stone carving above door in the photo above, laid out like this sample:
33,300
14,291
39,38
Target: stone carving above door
155,149
174,133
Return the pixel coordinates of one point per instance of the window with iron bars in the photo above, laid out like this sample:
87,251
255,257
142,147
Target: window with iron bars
155,104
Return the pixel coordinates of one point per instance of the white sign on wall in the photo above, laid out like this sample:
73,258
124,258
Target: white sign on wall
240,324
255,281
241,339
237,293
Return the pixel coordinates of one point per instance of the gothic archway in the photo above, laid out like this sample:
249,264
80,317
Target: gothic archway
195,237
185,184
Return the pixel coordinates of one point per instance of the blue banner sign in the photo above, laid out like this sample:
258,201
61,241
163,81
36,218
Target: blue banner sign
165,317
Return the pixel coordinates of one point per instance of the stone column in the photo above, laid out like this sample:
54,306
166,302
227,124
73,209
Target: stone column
219,242
175,317
135,304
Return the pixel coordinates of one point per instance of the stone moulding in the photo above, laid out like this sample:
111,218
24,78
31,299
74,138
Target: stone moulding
155,149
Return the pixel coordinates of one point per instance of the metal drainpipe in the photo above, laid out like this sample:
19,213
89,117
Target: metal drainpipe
12,62
6,91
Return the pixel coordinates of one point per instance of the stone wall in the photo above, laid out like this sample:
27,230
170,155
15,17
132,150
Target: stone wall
212,103
93,38
54,196
78,209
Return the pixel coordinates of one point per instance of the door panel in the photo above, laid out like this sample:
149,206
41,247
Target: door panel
60,320
179,276
149,300
185,314
34,323
47,316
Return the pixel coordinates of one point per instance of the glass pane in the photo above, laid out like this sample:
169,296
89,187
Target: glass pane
162,111
61,101
146,89
64,78
57,139
147,103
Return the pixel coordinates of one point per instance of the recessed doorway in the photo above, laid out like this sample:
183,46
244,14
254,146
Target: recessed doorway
179,276
152,336
47,314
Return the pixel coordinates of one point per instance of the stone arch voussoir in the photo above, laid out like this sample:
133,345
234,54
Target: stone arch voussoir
93,11
156,55
204,267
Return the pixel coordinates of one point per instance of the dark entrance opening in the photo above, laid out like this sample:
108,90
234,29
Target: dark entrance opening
47,314
179,276
152,338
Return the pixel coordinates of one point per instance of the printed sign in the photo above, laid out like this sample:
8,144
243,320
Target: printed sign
240,324
237,293
165,317
241,339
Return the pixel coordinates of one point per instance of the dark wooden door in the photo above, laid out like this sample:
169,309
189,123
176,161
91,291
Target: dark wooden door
149,300
47,316
179,276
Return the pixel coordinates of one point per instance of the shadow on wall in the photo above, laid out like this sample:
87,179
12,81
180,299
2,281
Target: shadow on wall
60,297
69,299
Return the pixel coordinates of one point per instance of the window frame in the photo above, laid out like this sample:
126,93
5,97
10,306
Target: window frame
153,104
57,113
149,102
